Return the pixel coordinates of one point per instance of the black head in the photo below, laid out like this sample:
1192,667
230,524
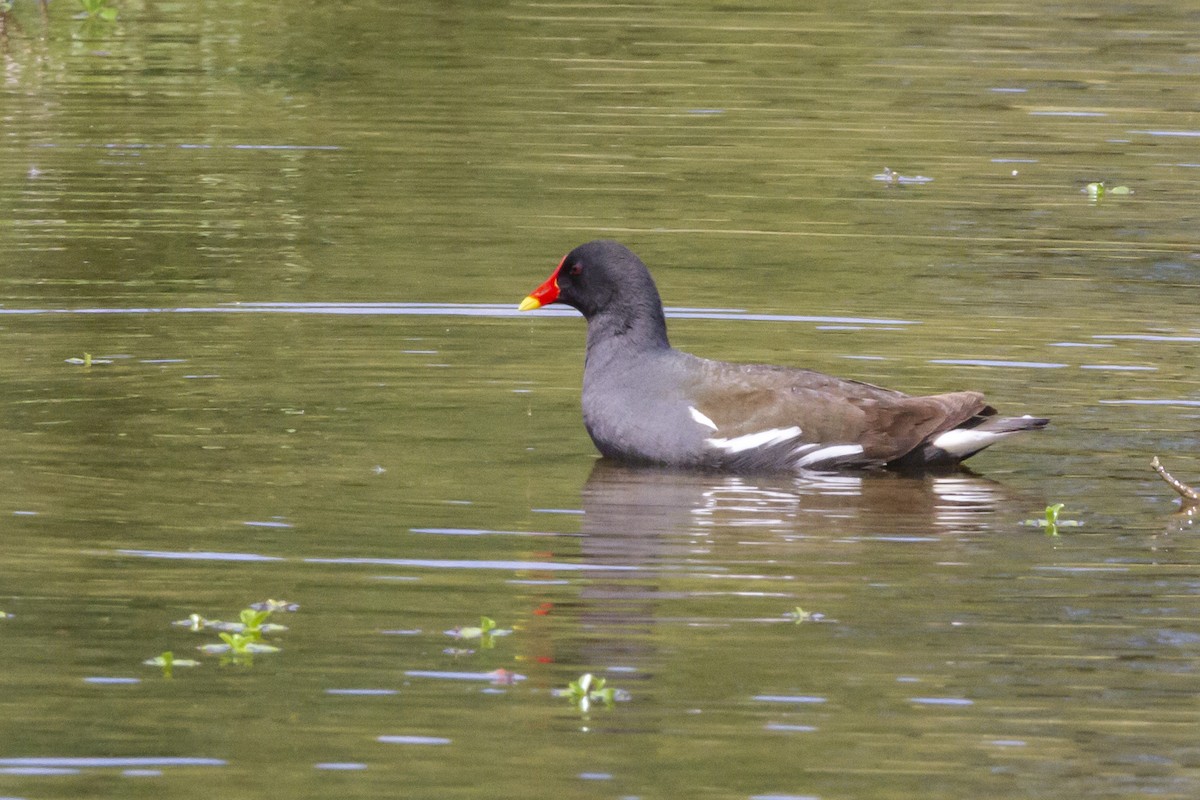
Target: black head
598,277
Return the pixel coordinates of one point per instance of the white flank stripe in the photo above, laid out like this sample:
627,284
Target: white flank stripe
752,441
964,441
701,418
830,452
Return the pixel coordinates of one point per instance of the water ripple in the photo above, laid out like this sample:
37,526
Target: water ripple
80,762
444,310
413,740
198,556
983,362
434,563
450,563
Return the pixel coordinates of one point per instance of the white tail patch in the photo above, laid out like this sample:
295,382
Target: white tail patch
701,418
753,441
830,452
962,442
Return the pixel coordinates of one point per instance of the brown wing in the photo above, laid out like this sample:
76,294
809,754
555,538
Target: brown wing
828,410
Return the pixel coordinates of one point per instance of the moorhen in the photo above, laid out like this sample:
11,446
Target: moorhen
646,402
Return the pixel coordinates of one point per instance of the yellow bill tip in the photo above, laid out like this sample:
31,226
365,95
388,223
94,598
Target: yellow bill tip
529,303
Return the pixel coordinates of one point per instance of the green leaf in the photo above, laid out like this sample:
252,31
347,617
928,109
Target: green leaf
588,689
252,619
604,695
168,660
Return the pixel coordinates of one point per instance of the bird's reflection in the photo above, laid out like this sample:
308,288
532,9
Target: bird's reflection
634,512
667,523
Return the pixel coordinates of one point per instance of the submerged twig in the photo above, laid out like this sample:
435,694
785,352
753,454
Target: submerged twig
1190,496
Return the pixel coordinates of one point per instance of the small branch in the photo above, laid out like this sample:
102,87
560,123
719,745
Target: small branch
1190,496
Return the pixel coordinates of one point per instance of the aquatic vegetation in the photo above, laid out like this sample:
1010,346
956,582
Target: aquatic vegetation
275,605
893,178
240,627
88,361
1097,191
244,637
254,623
194,622
486,626
1051,522
485,633
239,640
239,644
799,615
589,689
168,661
250,620
96,9
1052,516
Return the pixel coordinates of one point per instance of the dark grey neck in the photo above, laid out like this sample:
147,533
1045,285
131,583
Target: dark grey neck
630,328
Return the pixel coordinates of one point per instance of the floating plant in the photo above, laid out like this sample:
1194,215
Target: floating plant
486,626
893,178
241,639
589,689
485,633
1051,522
238,644
1096,191
88,361
251,622
168,661
194,623
799,615
275,605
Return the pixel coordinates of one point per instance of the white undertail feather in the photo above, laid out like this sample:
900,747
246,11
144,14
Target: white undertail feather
830,452
962,442
701,418
751,441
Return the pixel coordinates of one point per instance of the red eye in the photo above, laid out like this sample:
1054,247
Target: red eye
575,269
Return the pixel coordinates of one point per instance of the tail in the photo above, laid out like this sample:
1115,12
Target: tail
959,444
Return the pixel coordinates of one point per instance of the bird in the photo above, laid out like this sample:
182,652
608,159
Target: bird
645,402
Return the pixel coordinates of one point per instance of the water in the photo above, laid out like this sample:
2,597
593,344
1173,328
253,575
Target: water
297,236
